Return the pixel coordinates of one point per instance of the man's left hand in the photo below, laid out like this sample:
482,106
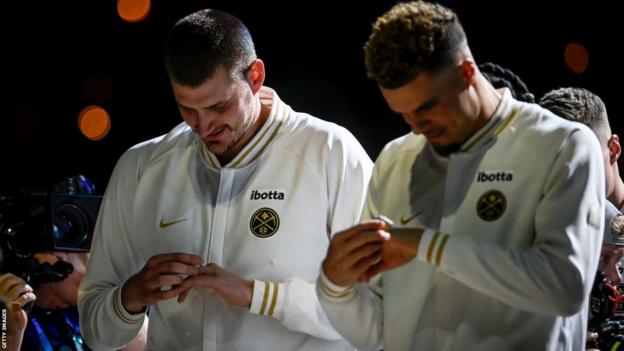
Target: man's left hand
233,289
401,248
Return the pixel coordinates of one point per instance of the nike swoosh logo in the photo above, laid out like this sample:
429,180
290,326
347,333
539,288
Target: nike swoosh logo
164,224
404,221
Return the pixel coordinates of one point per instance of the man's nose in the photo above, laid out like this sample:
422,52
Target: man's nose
416,122
203,124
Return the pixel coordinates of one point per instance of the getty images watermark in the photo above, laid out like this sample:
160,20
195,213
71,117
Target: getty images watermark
4,329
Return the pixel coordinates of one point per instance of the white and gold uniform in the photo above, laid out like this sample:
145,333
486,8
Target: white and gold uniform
267,215
514,227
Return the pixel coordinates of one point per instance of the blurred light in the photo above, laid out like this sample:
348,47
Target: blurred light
97,88
133,10
23,120
576,57
94,122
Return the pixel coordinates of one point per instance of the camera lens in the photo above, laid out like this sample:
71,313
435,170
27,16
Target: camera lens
71,226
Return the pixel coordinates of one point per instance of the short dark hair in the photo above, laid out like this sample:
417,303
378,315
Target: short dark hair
205,40
411,38
579,105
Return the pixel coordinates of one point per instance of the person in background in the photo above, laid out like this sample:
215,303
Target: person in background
43,316
583,106
501,77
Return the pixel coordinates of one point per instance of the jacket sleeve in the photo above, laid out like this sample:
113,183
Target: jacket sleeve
104,322
357,314
294,302
554,276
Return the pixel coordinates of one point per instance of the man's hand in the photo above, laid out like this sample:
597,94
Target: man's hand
230,287
164,270
15,294
352,252
401,248
12,287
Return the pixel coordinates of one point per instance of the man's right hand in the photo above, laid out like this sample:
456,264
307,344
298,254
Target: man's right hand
353,251
164,270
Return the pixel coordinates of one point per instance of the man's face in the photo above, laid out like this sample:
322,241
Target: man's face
610,262
436,106
63,294
220,111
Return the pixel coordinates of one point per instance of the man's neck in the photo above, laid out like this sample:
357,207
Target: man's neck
617,196
489,98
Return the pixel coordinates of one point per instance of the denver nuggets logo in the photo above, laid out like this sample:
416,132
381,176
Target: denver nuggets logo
491,205
264,222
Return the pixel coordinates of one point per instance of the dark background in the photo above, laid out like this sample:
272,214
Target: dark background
313,53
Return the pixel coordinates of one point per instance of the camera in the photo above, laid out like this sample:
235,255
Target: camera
39,221
607,314
35,221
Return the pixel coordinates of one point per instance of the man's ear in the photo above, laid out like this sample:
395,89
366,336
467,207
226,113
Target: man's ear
467,71
256,75
615,149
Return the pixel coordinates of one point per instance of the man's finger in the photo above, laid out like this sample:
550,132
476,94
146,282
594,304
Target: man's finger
363,251
5,277
375,269
164,280
167,294
183,295
25,298
181,257
201,280
15,287
369,225
175,267
366,263
20,317
366,237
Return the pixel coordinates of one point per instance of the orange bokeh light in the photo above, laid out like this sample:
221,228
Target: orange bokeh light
133,10
94,122
576,57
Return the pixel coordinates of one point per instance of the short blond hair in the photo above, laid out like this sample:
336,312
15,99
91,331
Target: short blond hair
579,105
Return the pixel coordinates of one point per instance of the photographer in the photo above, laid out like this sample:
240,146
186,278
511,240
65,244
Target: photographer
45,239
53,320
606,323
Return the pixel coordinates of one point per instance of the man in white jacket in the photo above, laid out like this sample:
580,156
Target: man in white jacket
231,211
503,200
